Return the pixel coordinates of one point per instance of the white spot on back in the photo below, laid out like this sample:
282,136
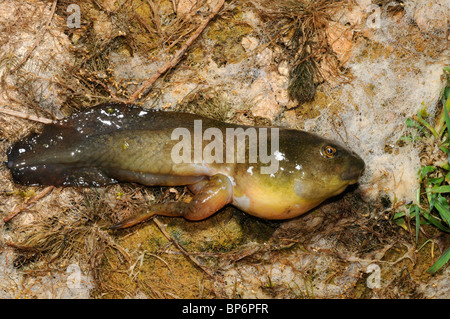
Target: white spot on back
278,156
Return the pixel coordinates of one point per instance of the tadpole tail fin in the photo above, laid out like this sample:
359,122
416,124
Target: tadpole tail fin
46,158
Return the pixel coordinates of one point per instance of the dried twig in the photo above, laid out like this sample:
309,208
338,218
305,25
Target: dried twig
107,238
26,116
192,258
33,200
142,90
39,38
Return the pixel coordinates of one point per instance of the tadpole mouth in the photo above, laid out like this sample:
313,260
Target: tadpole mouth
354,171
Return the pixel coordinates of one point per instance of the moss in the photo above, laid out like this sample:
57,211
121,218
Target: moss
227,34
322,100
151,272
168,276
25,193
196,57
158,269
219,233
361,290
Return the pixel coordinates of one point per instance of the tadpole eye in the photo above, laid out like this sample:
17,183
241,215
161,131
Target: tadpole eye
328,151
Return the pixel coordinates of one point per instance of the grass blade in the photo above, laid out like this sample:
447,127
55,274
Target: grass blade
440,262
446,105
414,211
441,189
425,170
441,205
434,221
427,125
417,225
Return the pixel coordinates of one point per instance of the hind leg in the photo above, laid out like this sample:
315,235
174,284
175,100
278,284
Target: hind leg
215,194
